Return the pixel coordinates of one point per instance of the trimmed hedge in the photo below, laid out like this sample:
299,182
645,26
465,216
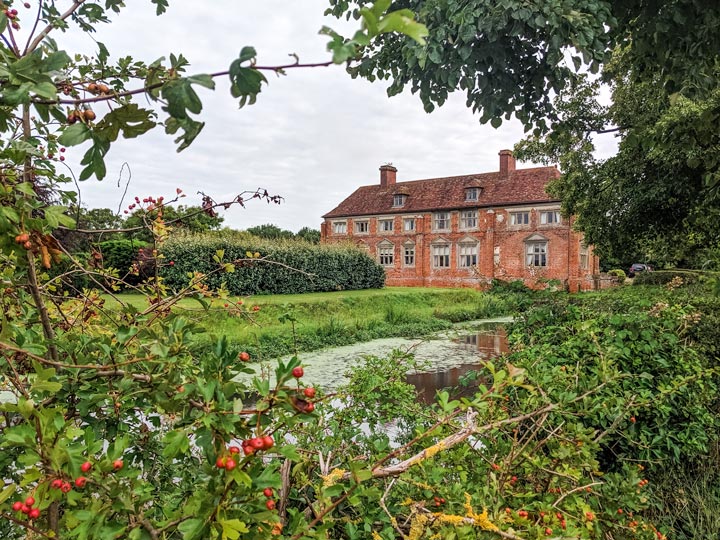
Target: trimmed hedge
285,267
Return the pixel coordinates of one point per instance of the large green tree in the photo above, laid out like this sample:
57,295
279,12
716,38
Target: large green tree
656,199
510,56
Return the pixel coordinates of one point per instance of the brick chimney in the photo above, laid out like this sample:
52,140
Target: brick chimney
387,175
507,162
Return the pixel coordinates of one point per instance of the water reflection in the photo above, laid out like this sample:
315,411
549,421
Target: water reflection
484,345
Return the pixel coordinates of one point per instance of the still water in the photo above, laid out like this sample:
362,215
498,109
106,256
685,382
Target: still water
445,356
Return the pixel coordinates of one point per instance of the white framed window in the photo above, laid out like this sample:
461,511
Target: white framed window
408,254
386,254
472,194
584,256
362,227
536,253
468,219
386,225
339,227
441,221
399,200
519,218
440,255
467,254
409,224
550,217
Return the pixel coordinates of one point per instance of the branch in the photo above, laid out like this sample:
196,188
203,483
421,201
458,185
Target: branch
49,28
26,525
155,86
240,199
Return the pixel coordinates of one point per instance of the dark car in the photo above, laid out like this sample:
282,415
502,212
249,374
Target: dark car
638,268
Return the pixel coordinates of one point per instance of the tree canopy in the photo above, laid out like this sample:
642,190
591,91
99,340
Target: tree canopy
511,56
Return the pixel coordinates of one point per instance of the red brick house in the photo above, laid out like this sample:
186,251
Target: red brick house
464,231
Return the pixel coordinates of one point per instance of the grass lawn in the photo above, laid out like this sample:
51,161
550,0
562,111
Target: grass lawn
336,318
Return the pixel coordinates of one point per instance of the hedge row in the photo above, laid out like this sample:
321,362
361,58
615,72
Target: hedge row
282,268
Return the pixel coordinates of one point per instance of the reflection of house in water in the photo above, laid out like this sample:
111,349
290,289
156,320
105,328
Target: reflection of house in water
488,344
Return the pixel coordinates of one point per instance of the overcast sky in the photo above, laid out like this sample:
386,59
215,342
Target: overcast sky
313,136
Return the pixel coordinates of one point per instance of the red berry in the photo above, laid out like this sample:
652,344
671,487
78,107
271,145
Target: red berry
270,504
85,467
62,149
244,356
247,450
620,510
118,464
257,443
268,492
30,501
220,463
310,407
309,392
298,372
172,263
548,531
17,506
80,481
25,509
66,487
632,419
268,442
62,158
34,513
234,450
230,464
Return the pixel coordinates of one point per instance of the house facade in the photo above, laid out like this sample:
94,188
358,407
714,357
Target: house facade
465,231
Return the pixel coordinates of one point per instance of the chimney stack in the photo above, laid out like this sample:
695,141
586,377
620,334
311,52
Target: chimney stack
387,175
507,162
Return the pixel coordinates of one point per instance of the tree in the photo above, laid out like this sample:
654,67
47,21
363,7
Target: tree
270,231
309,235
657,198
511,56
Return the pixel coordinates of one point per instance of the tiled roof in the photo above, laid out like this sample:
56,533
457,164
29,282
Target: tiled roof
522,186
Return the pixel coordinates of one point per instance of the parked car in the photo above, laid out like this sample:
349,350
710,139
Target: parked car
638,268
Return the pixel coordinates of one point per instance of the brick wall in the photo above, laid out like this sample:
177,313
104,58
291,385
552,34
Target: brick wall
501,248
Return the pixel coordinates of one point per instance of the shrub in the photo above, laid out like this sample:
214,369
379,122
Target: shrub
662,277
619,274
273,267
121,255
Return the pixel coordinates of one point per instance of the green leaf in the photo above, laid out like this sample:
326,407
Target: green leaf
191,528
191,129
233,528
403,22
129,119
75,134
175,443
6,493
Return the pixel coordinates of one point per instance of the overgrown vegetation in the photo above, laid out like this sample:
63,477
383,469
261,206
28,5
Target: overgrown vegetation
284,324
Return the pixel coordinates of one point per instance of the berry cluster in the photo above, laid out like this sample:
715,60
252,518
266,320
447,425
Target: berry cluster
12,14
27,507
81,115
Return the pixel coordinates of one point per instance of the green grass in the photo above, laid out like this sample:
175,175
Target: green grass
337,318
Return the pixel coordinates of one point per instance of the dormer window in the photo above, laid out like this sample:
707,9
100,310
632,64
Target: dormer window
399,200
472,194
